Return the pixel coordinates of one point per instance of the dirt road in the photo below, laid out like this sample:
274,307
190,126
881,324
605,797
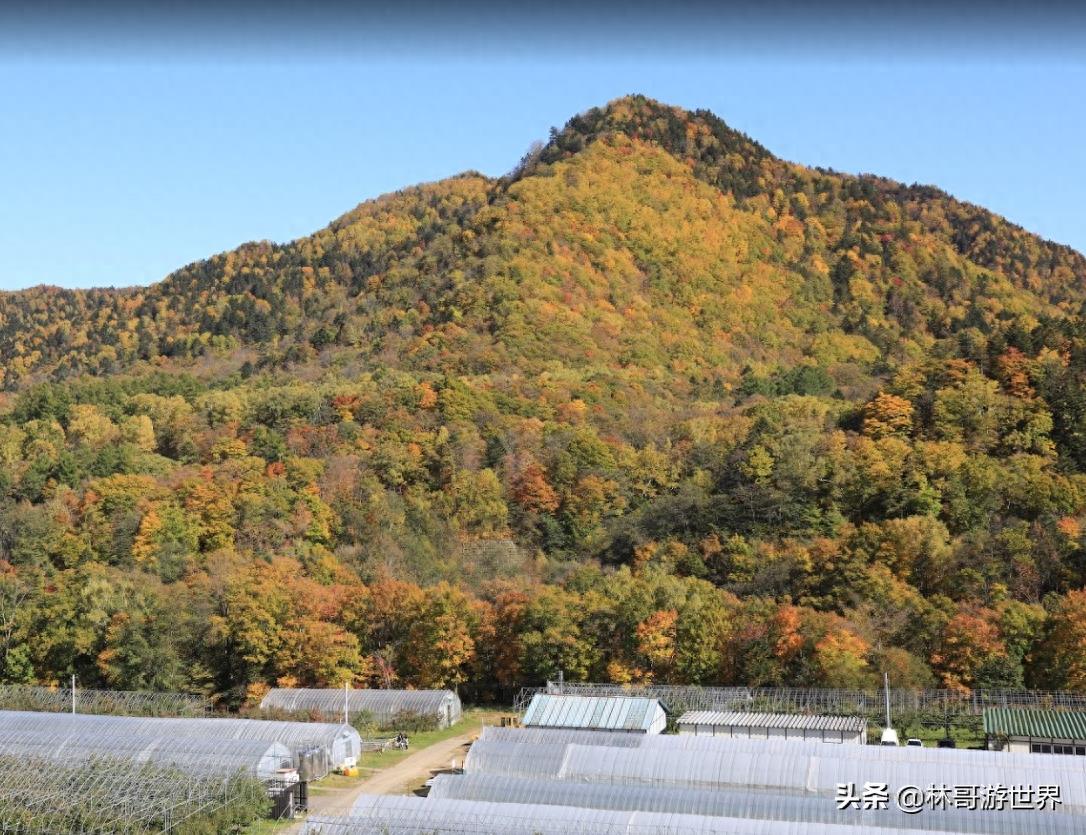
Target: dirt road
402,778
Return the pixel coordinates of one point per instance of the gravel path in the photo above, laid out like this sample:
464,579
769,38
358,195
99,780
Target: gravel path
403,778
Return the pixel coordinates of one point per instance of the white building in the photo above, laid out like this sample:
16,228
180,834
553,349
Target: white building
839,729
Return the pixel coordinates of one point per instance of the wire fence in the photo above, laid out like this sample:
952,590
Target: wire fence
113,702
932,707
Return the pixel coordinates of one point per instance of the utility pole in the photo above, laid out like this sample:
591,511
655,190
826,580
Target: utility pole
345,714
886,690
73,694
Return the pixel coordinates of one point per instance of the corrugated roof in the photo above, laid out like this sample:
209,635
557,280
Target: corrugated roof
797,721
612,713
1045,724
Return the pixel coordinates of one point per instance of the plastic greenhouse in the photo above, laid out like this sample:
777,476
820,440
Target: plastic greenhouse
511,758
772,770
537,736
403,815
680,698
340,742
257,758
46,797
741,803
539,782
384,706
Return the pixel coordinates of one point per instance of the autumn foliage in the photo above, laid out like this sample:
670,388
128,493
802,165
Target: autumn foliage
656,406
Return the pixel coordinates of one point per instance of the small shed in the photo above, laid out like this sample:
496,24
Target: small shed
852,729
596,713
1023,730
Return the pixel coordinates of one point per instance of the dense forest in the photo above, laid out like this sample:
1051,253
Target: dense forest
655,406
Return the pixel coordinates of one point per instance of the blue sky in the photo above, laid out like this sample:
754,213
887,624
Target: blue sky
120,166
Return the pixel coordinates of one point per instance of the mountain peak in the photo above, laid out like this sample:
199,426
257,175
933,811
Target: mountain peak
655,202
719,154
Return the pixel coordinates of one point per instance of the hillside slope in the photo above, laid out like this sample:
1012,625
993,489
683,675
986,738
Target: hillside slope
657,405
870,256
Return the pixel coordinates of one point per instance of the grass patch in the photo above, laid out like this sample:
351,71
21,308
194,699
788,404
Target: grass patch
964,737
472,719
373,763
267,827
333,782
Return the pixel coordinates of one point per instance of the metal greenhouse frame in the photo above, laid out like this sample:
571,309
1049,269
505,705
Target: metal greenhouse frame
46,797
117,702
937,706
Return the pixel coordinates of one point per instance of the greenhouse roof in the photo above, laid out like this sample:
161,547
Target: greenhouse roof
401,815
198,755
741,803
1044,724
785,767
602,712
331,700
554,736
296,736
512,758
798,721
50,796
549,738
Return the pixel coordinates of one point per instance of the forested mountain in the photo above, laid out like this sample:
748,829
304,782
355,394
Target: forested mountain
657,405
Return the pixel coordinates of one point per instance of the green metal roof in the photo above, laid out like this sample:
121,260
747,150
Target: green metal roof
1042,724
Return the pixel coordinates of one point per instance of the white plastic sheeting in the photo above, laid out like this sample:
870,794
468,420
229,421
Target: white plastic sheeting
814,768
402,815
786,748
383,705
538,736
257,758
868,753
341,741
770,769
746,804
544,760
